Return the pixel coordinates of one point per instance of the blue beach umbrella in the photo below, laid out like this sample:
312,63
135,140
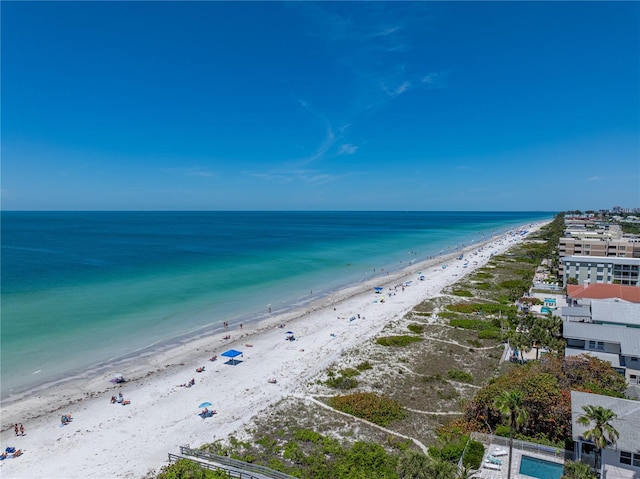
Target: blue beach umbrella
289,332
205,404
232,353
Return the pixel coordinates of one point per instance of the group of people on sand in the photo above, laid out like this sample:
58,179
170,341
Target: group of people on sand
10,452
187,385
19,430
120,400
206,413
66,419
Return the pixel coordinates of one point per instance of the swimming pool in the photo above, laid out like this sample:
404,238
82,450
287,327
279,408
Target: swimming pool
539,468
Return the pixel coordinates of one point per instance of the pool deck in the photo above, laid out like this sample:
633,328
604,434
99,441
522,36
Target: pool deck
494,471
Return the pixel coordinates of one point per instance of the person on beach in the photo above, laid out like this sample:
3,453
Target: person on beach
15,428
21,430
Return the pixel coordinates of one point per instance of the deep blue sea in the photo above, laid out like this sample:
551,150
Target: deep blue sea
84,289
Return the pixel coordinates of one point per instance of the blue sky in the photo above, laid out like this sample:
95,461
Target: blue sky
327,105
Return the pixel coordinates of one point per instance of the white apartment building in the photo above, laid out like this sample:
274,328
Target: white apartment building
601,269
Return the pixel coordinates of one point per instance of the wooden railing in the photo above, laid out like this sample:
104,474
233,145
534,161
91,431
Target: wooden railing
230,464
214,467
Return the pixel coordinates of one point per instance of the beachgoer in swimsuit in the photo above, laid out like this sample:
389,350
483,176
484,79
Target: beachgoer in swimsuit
21,430
15,428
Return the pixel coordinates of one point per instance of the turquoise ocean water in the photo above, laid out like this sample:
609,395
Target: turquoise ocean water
82,290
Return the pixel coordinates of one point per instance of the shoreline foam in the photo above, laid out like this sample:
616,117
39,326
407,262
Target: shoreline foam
106,440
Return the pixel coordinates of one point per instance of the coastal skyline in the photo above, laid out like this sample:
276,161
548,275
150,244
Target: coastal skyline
320,106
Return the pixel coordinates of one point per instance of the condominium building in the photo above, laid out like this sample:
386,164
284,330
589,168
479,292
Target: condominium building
601,269
608,330
621,248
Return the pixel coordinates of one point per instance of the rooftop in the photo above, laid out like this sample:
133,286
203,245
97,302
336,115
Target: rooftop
627,338
615,312
601,259
626,423
604,291
614,359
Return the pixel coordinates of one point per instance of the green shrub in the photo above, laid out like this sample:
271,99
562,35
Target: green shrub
490,334
349,372
342,382
416,328
485,308
307,435
473,455
448,315
459,375
379,410
516,284
483,275
397,340
475,324
483,286
463,293
502,430
363,366
184,468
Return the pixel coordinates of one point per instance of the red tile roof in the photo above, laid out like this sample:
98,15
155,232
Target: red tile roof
604,291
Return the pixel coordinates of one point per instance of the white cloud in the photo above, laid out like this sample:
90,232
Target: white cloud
312,177
435,80
386,31
194,171
347,149
399,90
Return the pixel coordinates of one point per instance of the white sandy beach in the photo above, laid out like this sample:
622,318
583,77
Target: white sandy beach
111,440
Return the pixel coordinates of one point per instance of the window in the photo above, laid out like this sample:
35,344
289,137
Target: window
596,345
630,458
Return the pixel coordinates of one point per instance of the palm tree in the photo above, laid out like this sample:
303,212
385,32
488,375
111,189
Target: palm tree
441,469
413,465
465,473
511,405
602,432
577,470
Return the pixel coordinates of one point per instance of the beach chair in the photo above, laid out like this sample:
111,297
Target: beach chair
498,451
488,465
493,460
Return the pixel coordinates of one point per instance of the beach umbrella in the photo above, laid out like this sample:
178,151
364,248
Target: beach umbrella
232,353
289,332
378,289
205,404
